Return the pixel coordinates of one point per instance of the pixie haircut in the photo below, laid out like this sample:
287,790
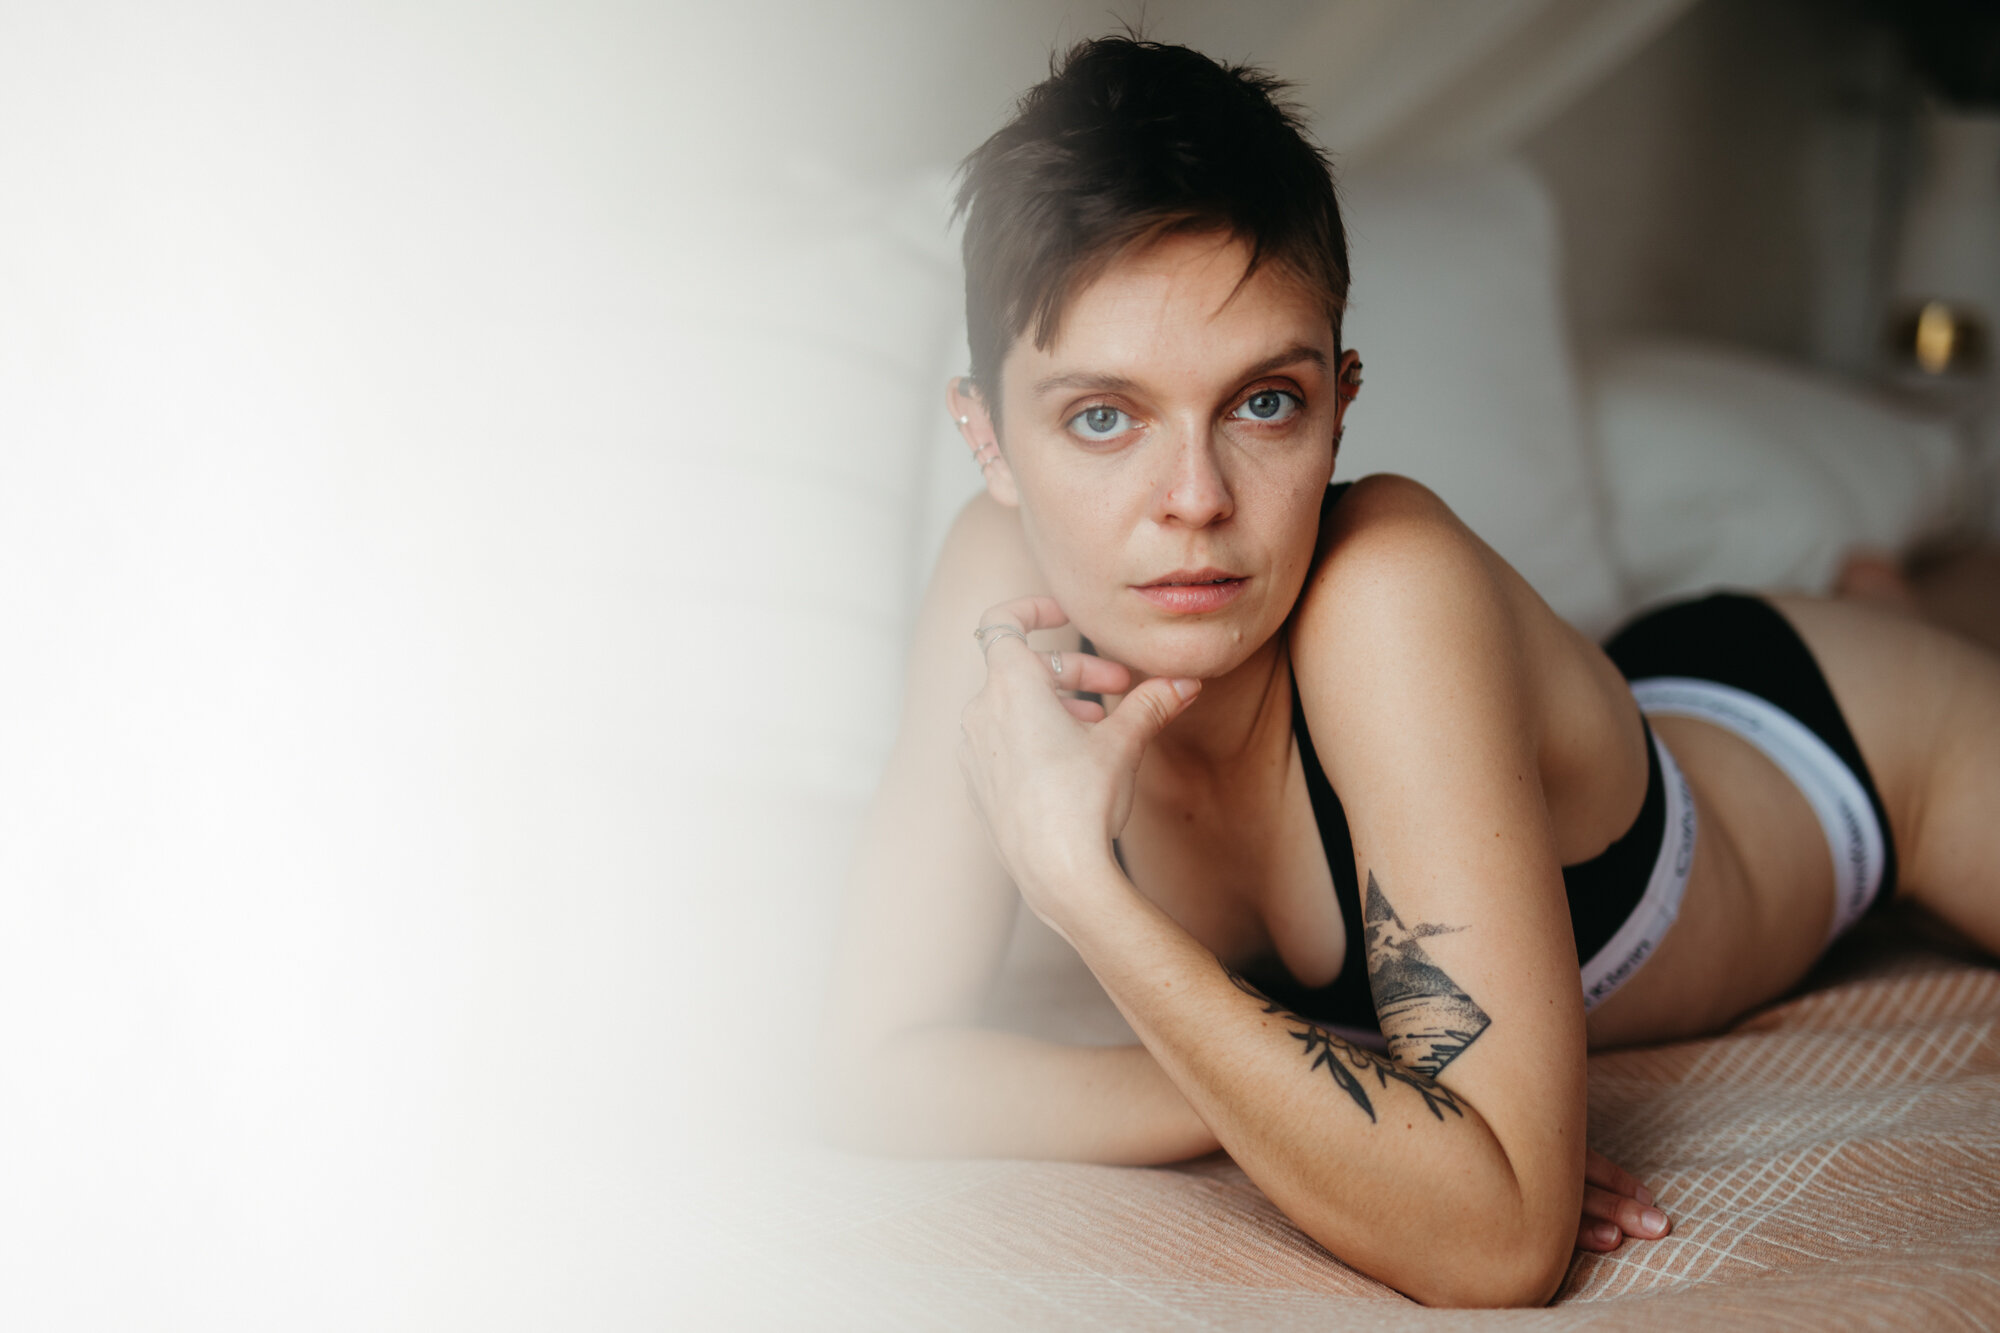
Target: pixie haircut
1125,142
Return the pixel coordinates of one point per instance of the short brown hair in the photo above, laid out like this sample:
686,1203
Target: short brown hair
1125,141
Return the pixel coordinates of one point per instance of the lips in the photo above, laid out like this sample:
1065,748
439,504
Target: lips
1192,591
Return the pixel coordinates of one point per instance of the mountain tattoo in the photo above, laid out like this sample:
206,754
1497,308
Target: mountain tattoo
1427,1020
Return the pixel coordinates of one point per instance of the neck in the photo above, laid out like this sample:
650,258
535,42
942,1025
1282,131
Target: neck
1233,712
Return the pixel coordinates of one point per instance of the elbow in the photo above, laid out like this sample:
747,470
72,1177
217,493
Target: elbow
1529,1280
1476,1259
1525,1273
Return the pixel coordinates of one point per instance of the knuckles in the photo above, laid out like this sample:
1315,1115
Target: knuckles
1157,711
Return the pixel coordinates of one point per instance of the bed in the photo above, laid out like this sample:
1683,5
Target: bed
1833,1161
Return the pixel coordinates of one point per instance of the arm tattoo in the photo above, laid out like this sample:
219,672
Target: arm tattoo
1349,1065
1426,1018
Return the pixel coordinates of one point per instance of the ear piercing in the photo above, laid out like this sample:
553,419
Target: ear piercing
1348,386
1350,382
984,454
965,421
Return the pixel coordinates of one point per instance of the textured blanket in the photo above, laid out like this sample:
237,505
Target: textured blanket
1832,1162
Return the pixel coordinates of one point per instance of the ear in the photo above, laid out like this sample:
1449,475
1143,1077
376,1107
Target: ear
1346,387
975,426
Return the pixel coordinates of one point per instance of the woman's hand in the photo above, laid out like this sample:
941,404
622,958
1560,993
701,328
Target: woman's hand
1052,777
1615,1205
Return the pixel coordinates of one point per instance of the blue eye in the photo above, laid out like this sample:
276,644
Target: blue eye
1268,405
1100,423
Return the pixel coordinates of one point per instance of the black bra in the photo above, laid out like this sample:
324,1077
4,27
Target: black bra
1602,891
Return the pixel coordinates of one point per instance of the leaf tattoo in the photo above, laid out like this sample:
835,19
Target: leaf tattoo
1427,1019
1349,1065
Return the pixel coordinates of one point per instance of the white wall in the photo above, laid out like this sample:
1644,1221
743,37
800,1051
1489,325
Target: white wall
361,960
1733,183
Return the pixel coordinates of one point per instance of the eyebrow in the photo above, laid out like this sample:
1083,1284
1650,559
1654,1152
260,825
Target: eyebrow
1291,356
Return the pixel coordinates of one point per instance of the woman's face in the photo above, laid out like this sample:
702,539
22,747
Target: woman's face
1169,452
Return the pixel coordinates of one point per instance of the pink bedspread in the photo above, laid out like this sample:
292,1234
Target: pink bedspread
1832,1162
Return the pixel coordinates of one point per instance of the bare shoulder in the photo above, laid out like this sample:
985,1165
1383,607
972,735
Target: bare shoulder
930,908
1408,618
1397,569
1412,632
984,559
986,523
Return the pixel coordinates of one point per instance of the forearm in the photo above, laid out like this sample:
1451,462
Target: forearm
974,1092
1386,1167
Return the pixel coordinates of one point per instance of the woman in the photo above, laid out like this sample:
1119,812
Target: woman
1347,768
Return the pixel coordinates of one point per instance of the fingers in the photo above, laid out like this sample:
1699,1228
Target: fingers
1012,660
1145,712
1026,614
1601,1171
1070,670
1597,1237
1085,710
1615,1205
1082,671
1604,1209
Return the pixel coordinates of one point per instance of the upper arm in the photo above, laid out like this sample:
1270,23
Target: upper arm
929,909
1414,651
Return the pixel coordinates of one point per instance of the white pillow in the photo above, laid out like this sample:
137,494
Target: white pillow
1727,468
813,385
1457,313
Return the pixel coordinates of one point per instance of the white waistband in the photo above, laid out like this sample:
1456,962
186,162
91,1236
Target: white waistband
1837,798
1633,943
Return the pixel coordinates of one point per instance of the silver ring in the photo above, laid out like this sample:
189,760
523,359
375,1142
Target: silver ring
1056,664
987,635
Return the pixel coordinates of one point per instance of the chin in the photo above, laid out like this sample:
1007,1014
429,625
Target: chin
1204,651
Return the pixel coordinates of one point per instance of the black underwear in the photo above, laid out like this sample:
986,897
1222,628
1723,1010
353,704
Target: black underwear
1735,662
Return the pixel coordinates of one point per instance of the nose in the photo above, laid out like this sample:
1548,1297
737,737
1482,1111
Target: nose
1195,493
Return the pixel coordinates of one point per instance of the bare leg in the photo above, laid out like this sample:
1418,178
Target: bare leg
1924,706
